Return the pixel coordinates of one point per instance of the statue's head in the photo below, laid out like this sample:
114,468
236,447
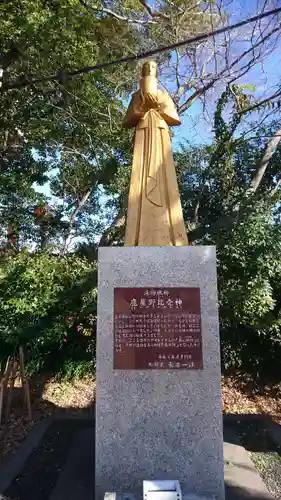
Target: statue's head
149,69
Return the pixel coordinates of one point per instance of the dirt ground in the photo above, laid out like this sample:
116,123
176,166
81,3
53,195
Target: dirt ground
48,397
243,395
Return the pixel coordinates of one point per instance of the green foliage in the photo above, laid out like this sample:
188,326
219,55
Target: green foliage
63,132
75,369
68,133
48,304
249,267
219,209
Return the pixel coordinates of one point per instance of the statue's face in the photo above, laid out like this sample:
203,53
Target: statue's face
149,69
153,68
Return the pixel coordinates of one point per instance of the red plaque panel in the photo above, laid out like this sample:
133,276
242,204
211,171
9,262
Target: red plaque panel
157,328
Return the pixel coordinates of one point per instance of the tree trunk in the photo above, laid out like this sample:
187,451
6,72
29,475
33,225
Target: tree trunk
263,163
74,214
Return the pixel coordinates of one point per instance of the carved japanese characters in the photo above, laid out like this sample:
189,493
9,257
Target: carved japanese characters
157,328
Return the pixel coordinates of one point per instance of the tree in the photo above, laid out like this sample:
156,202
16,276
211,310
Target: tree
67,132
57,124
63,131
77,122
235,193
48,304
229,202
197,71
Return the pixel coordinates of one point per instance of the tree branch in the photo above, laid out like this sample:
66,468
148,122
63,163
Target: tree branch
263,163
73,216
205,88
80,205
118,221
262,103
111,13
196,212
276,187
140,56
153,13
177,70
198,93
237,213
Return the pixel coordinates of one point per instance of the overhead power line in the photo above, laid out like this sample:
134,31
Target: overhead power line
63,75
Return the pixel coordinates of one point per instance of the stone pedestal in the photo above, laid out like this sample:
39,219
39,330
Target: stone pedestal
159,424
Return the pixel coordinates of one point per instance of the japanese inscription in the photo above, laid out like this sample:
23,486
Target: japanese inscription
157,328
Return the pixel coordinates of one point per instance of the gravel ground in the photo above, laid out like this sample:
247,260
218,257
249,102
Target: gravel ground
264,452
43,467
269,467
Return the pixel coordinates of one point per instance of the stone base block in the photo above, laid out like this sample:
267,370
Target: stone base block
159,424
129,496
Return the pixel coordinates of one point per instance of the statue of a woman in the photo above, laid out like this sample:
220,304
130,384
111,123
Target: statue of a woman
154,208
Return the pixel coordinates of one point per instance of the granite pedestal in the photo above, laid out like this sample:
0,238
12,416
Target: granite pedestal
159,424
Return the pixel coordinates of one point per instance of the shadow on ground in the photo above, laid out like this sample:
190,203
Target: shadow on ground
256,433
236,493
56,460
66,400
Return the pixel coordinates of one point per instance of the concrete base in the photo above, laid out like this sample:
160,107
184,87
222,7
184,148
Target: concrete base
76,480
128,496
159,424
241,478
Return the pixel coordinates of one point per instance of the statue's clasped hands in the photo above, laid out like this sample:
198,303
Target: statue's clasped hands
149,101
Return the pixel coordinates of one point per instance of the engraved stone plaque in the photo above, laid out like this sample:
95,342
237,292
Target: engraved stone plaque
157,328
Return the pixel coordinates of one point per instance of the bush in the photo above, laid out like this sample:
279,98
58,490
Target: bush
48,304
249,276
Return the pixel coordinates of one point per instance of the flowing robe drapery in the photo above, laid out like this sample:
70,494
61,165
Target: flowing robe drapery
154,207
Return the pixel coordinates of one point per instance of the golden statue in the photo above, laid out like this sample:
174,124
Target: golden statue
154,208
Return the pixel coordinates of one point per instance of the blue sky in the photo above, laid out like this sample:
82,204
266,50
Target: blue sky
266,76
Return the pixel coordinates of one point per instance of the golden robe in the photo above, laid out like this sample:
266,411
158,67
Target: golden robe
154,207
